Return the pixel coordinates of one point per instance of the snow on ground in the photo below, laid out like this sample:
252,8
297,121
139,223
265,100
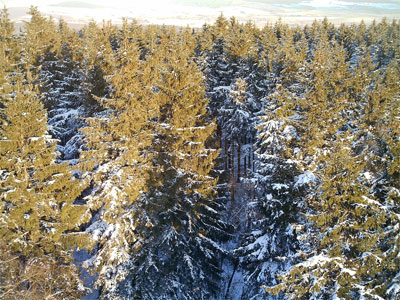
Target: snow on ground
197,12
88,279
233,282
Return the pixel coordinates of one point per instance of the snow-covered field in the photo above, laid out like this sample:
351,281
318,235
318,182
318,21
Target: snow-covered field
197,12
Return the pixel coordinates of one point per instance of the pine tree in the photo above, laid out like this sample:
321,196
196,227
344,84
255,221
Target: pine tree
51,52
392,201
178,257
116,139
348,258
384,175
98,60
237,117
8,53
218,77
241,45
270,242
61,81
40,41
268,45
324,101
39,218
171,218
54,54
350,221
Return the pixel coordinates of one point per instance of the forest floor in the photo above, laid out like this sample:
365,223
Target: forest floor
235,214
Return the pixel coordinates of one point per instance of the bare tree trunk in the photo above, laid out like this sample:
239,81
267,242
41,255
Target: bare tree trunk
249,162
239,159
232,155
219,134
246,157
226,156
252,153
245,166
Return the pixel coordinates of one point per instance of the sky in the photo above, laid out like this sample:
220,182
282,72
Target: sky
198,12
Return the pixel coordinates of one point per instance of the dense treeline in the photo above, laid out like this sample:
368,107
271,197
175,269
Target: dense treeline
228,162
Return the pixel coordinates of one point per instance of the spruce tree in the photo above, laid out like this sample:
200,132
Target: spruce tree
9,54
98,61
39,218
269,245
62,92
178,257
392,272
386,185
350,220
40,41
117,161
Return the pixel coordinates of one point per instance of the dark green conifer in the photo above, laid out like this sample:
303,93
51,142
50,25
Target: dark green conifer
173,259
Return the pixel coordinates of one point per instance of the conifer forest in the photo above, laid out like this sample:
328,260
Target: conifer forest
228,162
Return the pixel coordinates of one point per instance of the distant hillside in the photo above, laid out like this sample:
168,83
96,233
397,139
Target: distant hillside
76,4
197,12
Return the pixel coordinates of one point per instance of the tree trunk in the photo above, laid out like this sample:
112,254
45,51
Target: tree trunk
226,156
219,134
252,154
239,159
245,166
246,157
232,159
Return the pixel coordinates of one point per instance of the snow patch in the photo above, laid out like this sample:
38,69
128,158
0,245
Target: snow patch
307,178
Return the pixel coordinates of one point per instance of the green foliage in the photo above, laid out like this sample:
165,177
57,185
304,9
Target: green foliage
40,41
37,212
9,54
323,99
49,276
181,141
180,185
345,130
